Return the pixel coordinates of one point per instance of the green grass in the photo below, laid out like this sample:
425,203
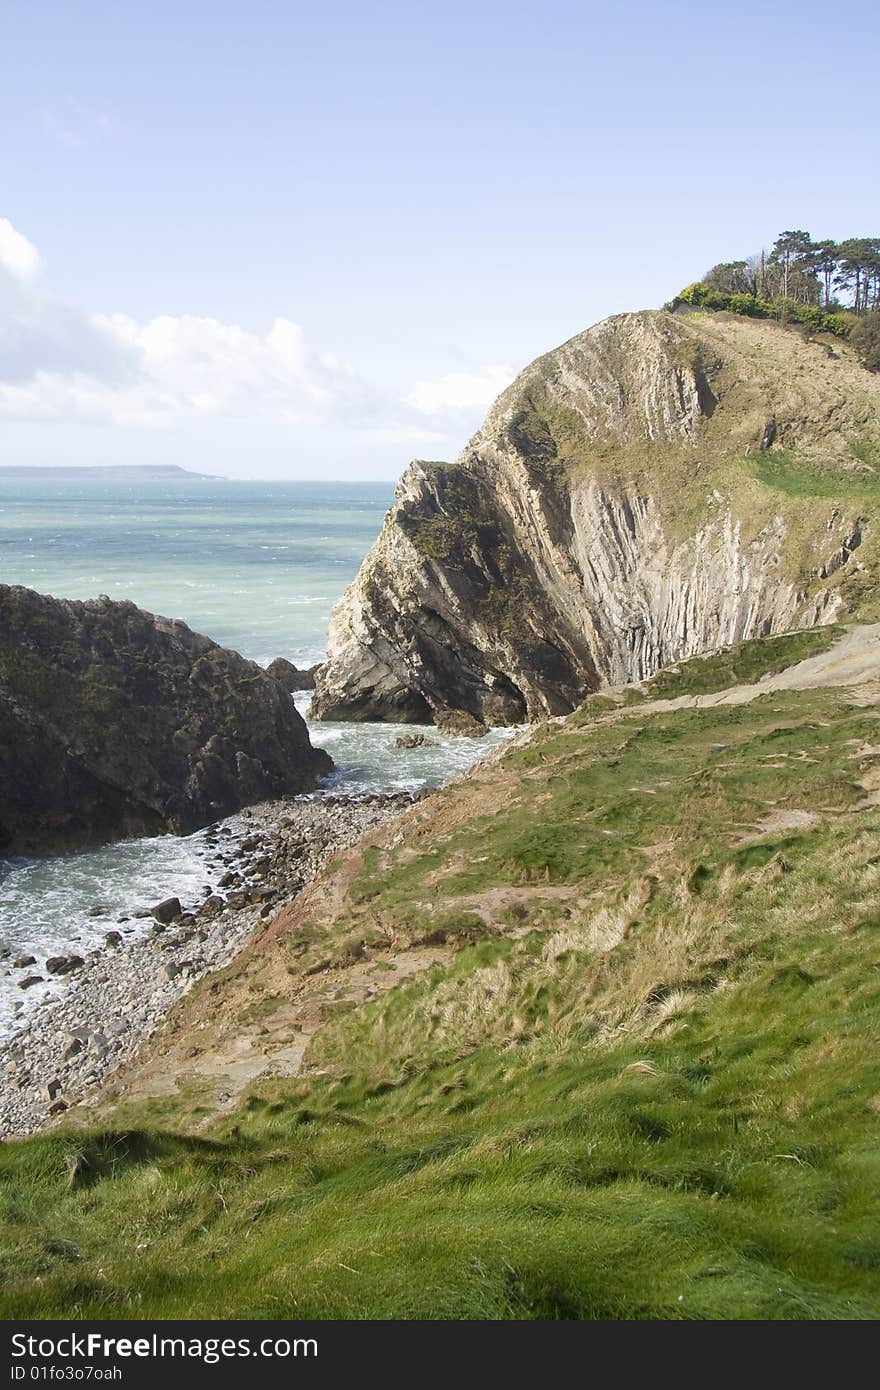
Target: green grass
741,663
798,478
651,1092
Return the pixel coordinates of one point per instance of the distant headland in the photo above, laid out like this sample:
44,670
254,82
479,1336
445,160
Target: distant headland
133,470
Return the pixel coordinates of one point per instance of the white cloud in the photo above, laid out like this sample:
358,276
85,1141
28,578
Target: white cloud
407,435
55,364
460,391
60,363
18,256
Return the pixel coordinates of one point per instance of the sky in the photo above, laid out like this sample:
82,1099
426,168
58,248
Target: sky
288,240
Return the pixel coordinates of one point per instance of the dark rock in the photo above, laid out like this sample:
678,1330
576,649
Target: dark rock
290,677
116,722
112,939
261,895
30,980
167,910
212,907
64,965
415,741
21,961
459,722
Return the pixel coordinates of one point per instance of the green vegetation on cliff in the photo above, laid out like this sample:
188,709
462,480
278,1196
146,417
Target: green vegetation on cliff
798,281
753,307
645,1085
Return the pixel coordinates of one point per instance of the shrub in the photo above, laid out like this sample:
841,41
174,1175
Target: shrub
749,305
865,338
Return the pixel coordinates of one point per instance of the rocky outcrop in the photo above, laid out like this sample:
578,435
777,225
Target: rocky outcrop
114,722
617,511
292,678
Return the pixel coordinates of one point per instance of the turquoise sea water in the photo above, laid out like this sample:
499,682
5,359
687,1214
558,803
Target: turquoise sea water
257,567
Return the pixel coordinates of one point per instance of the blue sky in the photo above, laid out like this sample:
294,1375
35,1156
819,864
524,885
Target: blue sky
279,239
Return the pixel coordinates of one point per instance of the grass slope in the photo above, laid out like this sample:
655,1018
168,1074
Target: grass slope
646,1086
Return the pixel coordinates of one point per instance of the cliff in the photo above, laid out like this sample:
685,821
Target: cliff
114,722
656,487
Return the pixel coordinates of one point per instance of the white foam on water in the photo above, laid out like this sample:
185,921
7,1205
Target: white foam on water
47,904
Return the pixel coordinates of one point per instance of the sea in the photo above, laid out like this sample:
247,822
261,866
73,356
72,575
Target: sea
257,566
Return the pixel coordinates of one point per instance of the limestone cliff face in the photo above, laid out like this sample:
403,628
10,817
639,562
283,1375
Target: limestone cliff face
620,509
115,722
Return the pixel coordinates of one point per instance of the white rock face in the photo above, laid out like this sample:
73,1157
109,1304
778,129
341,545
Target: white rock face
544,563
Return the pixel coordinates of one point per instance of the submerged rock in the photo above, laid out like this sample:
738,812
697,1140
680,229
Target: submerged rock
115,722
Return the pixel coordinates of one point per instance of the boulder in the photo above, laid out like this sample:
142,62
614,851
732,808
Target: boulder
21,962
64,965
167,910
72,1049
290,677
460,723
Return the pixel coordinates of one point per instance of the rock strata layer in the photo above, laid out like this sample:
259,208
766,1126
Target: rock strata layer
616,512
115,722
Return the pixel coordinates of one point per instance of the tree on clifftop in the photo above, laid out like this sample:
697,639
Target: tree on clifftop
731,277
793,259
859,261
826,260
